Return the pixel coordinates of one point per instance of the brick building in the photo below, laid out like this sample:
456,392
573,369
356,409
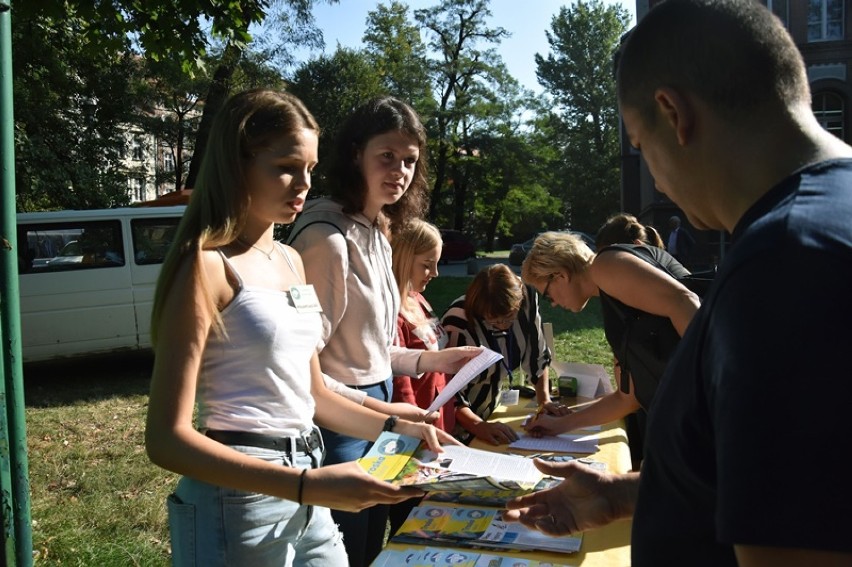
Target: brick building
821,29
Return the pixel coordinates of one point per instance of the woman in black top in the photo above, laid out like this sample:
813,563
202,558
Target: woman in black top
646,310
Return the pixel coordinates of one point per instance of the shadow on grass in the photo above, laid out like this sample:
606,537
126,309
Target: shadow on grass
68,382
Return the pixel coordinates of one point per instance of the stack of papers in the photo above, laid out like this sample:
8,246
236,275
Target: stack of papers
482,476
473,527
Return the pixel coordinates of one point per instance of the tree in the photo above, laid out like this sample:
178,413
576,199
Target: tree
398,56
291,24
458,28
71,116
332,87
507,187
177,29
169,109
578,75
98,49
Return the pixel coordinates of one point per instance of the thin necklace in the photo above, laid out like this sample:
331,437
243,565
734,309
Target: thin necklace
264,252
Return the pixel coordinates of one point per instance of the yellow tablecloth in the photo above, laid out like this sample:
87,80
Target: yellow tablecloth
605,547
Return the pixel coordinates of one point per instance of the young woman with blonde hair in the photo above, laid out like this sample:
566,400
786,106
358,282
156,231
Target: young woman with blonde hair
416,251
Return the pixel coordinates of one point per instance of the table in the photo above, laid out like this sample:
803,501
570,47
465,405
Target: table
604,547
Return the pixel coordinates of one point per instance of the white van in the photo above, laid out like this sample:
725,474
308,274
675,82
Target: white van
87,278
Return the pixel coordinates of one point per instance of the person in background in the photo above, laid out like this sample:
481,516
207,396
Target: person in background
378,181
716,96
230,330
680,243
416,251
633,281
500,313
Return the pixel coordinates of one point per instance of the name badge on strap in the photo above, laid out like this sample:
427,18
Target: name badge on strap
305,299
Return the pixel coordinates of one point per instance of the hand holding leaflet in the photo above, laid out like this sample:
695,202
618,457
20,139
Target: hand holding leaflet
467,373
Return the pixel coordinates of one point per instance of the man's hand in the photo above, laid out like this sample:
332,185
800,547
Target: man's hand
586,499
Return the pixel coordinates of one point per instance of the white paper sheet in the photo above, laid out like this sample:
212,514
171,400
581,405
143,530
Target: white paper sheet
467,373
565,443
462,459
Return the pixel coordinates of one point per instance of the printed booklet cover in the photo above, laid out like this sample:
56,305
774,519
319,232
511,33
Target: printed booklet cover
482,476
436,556
473,527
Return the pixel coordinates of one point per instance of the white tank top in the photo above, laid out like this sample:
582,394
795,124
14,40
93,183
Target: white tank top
258,378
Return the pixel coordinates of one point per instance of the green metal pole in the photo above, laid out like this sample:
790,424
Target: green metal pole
15,495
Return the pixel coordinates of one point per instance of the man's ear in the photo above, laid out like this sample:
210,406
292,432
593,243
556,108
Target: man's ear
677,111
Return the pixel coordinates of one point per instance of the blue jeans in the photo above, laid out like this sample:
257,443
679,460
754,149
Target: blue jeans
215,526
364,531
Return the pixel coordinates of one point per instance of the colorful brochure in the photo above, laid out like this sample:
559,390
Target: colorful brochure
437,557
477,527
483,476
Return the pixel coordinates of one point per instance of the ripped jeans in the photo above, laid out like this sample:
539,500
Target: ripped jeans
214,526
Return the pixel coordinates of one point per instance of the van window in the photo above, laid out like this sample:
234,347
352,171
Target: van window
152,238
70,245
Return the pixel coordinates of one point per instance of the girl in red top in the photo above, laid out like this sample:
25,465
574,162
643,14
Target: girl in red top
416,250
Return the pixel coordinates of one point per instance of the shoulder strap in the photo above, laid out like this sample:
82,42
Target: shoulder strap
231,270
287,257
296,234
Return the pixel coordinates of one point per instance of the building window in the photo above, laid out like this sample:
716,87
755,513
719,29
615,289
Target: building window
825,20
780,8
137,152
828,109
136,185
168,161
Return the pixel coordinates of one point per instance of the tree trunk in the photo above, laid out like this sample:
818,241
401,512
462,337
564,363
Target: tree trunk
491,230
217,95
460,185
440,174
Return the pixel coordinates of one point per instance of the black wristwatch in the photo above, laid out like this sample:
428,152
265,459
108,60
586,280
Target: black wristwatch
390,423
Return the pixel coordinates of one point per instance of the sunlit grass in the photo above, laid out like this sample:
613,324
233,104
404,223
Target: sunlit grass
96,498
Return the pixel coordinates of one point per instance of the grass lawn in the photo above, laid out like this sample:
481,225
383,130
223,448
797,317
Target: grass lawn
97,500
